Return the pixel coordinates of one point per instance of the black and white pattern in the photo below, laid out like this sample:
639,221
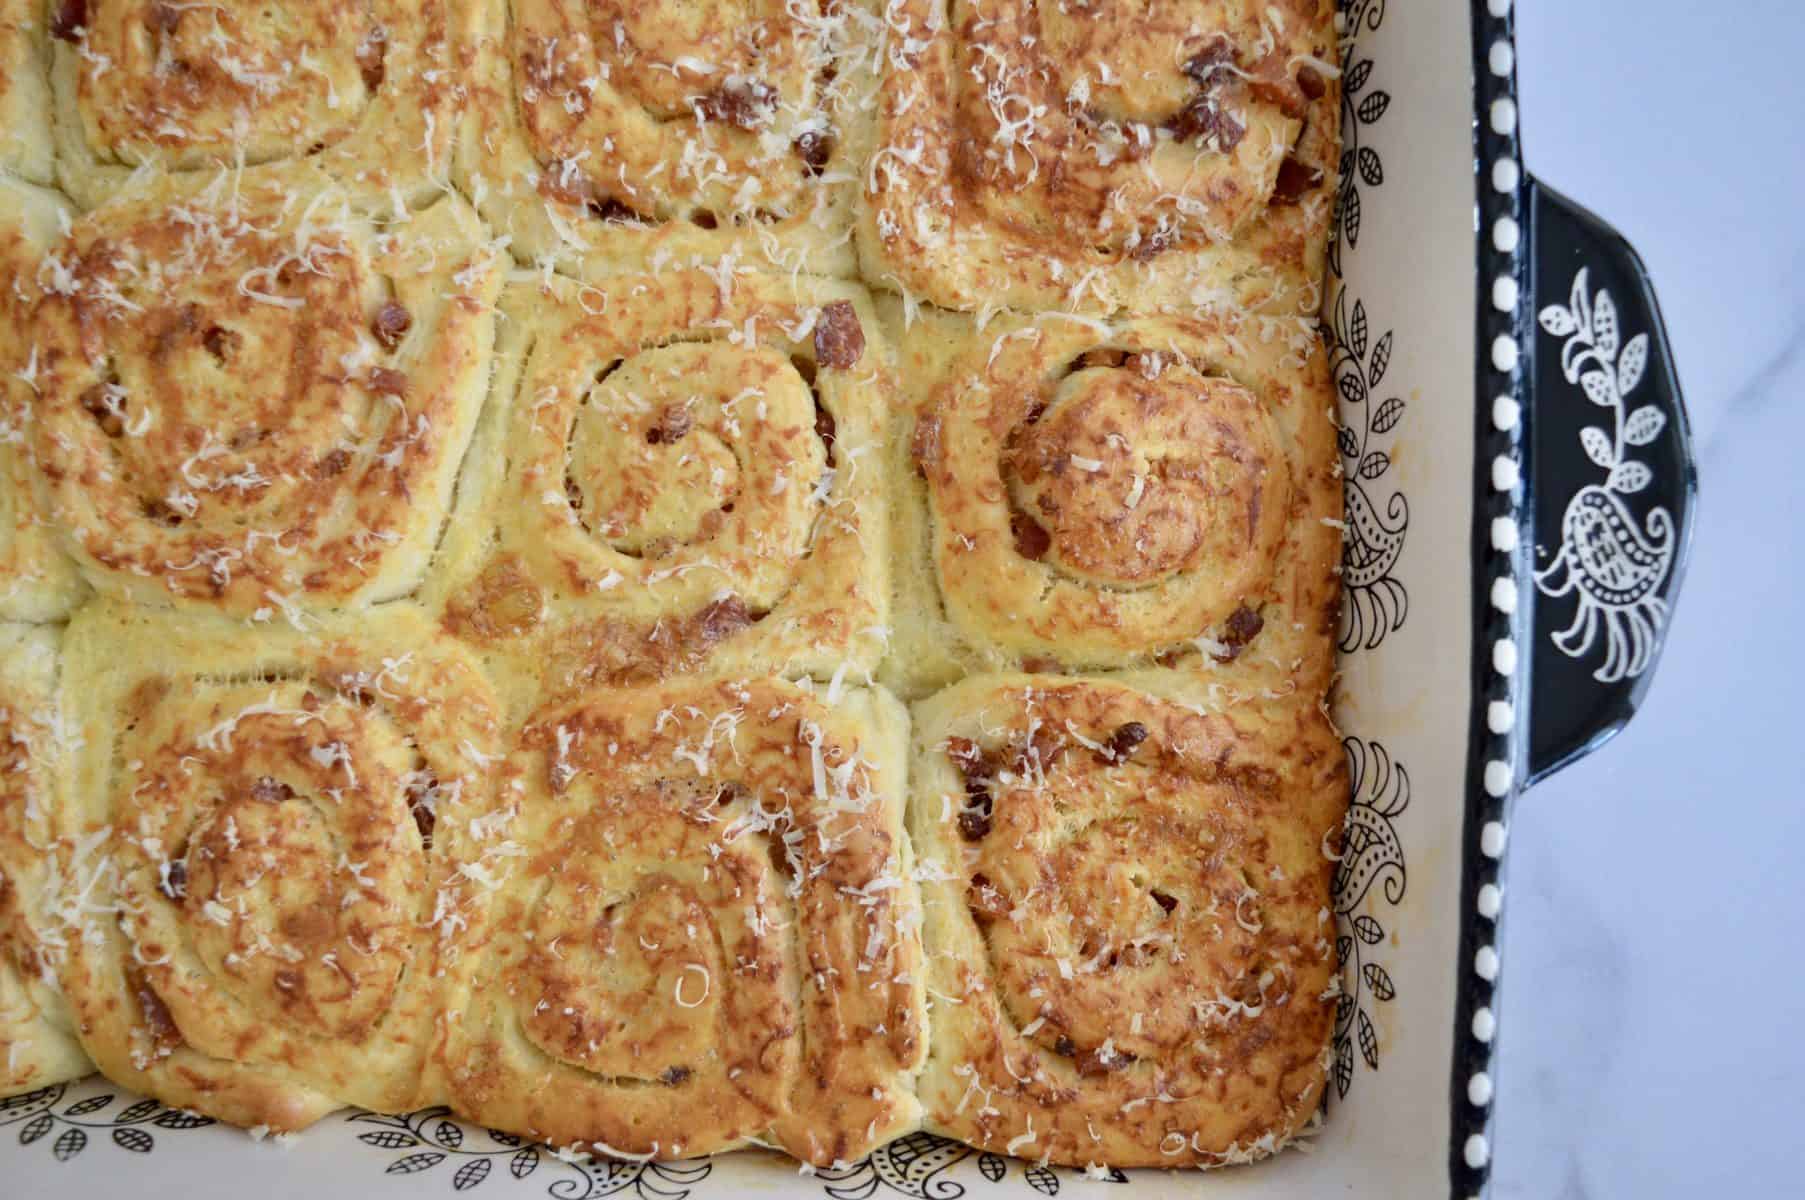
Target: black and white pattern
67,1127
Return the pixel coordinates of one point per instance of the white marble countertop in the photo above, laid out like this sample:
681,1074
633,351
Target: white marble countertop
1651,1042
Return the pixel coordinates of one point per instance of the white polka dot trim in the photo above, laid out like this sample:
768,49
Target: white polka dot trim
1497,785
1504,594
1477,1152
1498,8
1506,175
1479,1089
1500,717
1492,837
1491,901
1501,58
1504,115
1504,534
1504,473
1505,352
1506,234
1504,294
1506,412
1484,1024
1485,963
1504,657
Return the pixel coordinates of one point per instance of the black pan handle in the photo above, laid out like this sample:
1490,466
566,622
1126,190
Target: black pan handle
1611,481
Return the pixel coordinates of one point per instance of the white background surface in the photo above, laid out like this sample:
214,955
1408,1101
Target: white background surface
1654,951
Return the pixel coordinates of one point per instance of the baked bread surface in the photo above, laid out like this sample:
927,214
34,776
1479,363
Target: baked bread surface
673,577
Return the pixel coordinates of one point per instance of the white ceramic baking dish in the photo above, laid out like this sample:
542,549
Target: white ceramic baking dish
1519,485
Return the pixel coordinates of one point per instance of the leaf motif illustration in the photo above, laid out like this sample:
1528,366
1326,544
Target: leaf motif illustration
1381,360
1344,1067
1368,930
68,1144
412,1163
1598,445
524,1162
503,1137
1042,1180
1357,76
1629,477
36,1128
1373,107
1600,392
1344,1008
175,1118
1351,386
1389,414
1374,465
1344,947
448,1134
135,1140
1350,217
1344,438
471,1174
992,1166
1372,171
1379,980
1645,424
92,1104
1631,363
1604,325
388,1139
1558,321
136,1112
1356,330
1580,301
12,1103
1369,1041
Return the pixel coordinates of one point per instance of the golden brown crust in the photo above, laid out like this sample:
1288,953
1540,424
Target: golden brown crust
223,420
1100,495
713,937
1148,154
677,474
617,135
276,840
1128,917
37,1031
362,89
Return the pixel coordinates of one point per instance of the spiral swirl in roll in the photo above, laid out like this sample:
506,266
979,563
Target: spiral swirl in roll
1127,919
37,1031
1110,153
681,472
360,87
251,399
713,938
641,130
1151,490
292,826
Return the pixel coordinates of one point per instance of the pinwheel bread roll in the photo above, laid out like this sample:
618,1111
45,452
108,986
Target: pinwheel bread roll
714,937
1128,920
1142,154
279,841
253,396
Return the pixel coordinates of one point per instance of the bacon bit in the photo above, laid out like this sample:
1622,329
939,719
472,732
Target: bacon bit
1103,1061
175,883
1039,750
1243,625
70,16
221,342
673,425
1065,1047
924,447
730,792
391,324
839,339
977,769
158,1022
984,900
814,149
94,403
1294,179
1204,118
1207,64
1167,903
420,794
1310,83
675,1076
271,791
371,55
824,429
387,381
333,464
1123,741
1032,541
744,105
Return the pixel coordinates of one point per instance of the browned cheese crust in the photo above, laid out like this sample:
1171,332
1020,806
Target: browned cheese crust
711,937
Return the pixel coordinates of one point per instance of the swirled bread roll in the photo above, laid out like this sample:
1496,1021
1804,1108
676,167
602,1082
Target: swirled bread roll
1081,494
364,89
38,581
613,136
677,473
1142,154
1128,920
713,938
37,1030
25,147
279,837
254,397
